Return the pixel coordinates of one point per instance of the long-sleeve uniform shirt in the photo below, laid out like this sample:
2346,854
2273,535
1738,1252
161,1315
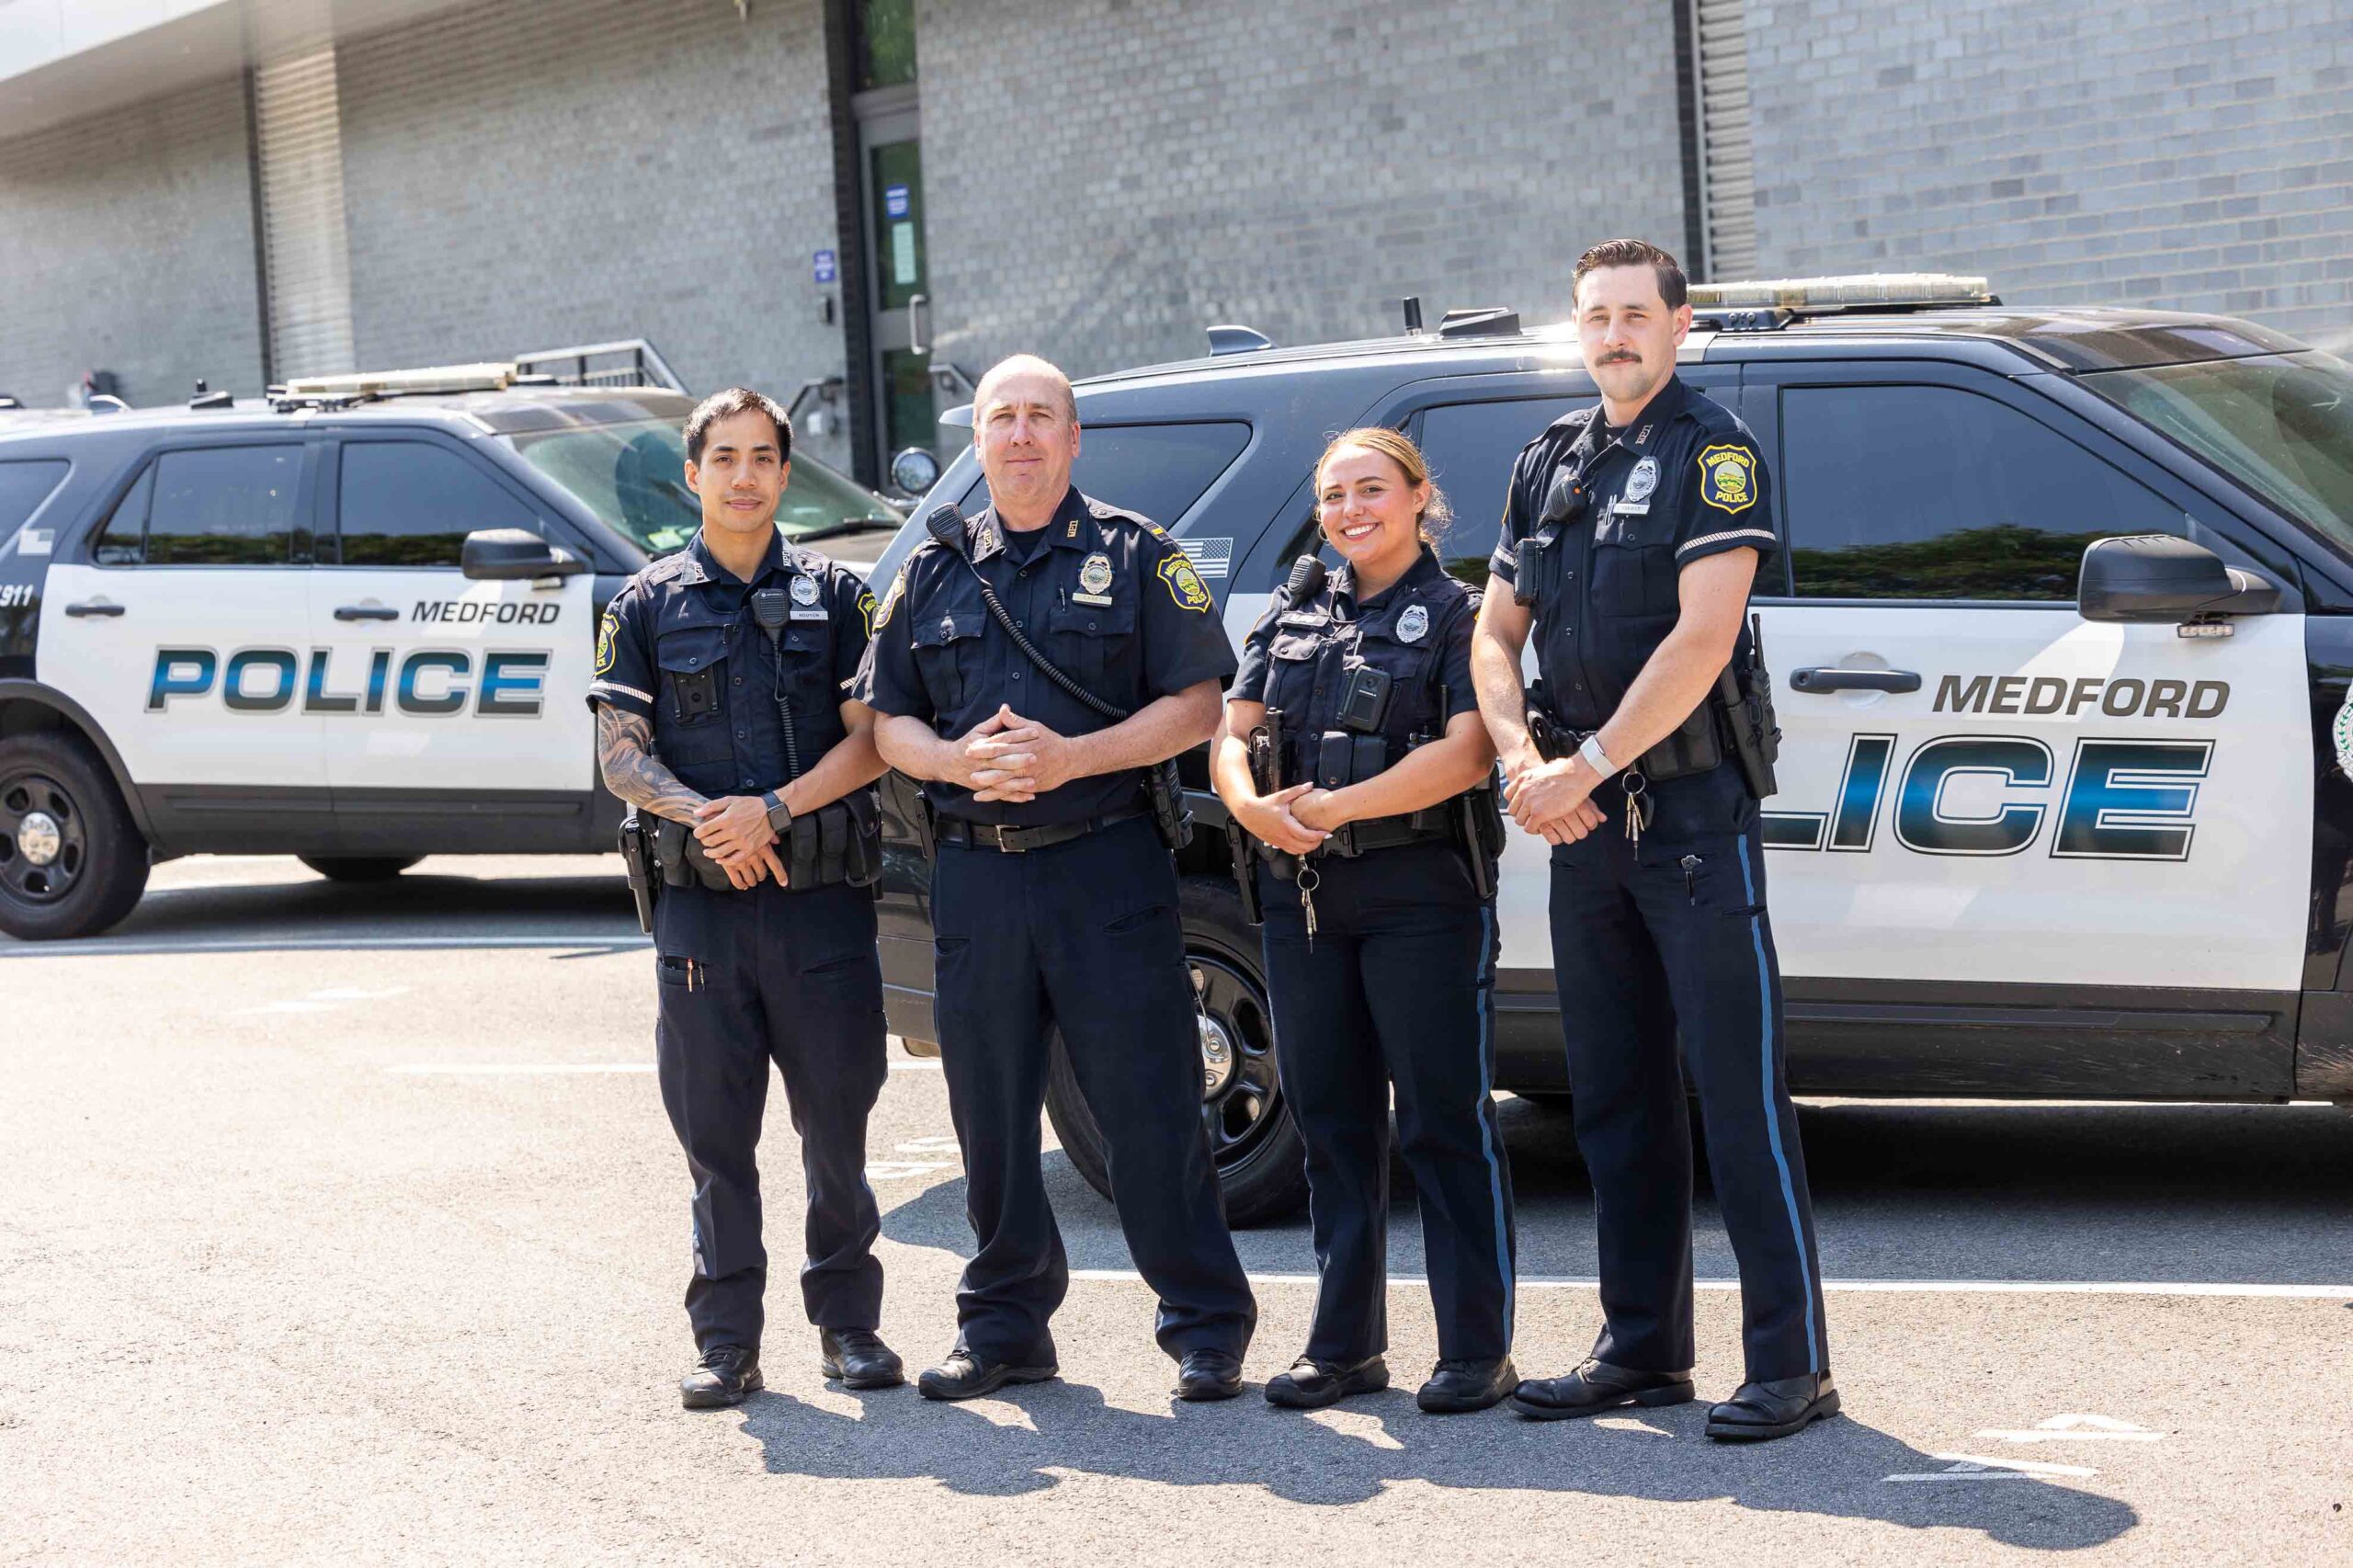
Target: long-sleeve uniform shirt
1109,596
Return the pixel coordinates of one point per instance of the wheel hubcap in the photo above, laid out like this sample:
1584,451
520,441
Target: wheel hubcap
1217,1057
39,838
1239,1086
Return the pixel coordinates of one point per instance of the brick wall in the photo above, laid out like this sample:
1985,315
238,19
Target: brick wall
646,168
1103,178
2165,152
127,244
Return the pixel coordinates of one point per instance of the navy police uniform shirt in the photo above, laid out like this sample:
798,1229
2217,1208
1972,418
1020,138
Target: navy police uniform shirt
1596,531
1299,657
1110,597
679,645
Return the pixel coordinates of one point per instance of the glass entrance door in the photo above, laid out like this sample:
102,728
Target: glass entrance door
904,412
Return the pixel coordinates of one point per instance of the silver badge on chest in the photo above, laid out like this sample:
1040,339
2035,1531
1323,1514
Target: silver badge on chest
1414,625
1642,480
804,590
1095,580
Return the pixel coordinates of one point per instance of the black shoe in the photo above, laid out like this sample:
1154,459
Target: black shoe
1457,1386
965,1375
724,1375
1205,1375
1312,1385
1598,1386
1758,1411
860,1358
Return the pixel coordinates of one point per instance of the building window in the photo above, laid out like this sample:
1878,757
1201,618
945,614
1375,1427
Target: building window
886,43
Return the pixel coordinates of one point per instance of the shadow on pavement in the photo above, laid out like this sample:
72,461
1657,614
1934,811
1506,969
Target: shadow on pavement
1836,1469
2159,1193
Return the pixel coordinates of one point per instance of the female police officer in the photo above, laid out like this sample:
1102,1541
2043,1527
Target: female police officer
1381,943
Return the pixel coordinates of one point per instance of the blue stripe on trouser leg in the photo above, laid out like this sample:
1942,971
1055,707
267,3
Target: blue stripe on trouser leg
1772,1116
1486,1109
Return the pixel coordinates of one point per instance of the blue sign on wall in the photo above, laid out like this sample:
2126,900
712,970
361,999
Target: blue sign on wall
894,202
824,267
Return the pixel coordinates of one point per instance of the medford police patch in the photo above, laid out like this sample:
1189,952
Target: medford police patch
1728,478
1185,584
612,624
866,610
1414,625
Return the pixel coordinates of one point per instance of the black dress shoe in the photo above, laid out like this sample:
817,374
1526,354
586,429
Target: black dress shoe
724,1375
1205,1375
1598,1386
1459,1385
860,1358
1312,1385
965,1375
1758,1411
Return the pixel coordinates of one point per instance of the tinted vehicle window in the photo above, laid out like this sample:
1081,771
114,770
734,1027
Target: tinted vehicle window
218,506
1470,447
412,503
24,486
1158,470
1935,493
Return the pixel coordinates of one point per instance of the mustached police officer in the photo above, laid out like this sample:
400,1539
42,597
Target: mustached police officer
1632,532
1370,769
1054,893
721,717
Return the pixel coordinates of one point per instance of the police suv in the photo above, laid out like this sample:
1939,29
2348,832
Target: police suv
2061,640
355,623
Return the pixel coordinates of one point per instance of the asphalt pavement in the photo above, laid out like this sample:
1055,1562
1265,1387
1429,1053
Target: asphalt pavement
343,1224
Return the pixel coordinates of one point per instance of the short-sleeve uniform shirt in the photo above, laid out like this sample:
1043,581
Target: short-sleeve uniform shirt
1110,599
679,645
1298,658
1597,526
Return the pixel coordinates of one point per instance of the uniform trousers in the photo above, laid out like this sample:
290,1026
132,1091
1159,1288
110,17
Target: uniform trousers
1652,939
1397,990
1082,937
748,977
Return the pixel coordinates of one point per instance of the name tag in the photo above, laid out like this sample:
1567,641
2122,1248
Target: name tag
1102,601
1631,508
814,612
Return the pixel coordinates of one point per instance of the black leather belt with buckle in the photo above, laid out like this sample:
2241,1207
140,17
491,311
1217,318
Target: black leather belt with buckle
1021,840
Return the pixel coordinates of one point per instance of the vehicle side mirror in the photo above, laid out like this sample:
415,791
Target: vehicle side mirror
2156,577
504,555
914,470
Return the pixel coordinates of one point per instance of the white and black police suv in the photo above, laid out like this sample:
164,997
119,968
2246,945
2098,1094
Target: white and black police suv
2061,640
354,623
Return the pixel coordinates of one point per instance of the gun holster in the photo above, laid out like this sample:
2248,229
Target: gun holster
637,859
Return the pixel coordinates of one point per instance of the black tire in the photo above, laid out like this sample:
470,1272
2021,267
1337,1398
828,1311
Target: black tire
1261,1165
359,868
71,861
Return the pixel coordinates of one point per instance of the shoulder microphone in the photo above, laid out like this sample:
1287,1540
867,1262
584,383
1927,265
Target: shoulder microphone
1308,576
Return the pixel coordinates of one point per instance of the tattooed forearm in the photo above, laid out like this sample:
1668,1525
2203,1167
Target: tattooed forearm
624,754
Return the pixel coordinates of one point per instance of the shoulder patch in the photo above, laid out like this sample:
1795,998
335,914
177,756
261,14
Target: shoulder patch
868,610
605,631
1728,478
1185,585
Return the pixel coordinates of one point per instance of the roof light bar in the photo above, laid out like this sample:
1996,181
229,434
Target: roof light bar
495,376
1858,291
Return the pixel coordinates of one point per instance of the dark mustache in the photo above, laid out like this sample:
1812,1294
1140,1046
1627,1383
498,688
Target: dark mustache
1620,358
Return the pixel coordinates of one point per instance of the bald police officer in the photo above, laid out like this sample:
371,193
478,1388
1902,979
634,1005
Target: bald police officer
1053,894
719,711
1632,532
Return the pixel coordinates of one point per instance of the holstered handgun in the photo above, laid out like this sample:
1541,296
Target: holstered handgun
637,859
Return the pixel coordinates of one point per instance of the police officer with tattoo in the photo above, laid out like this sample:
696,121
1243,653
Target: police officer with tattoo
1632,533
721,716
1033,666
1354,759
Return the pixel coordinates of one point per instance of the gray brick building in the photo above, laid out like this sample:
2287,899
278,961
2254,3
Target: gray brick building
1100,180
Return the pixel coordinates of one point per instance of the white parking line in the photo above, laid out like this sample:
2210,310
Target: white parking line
134,946
1928,1287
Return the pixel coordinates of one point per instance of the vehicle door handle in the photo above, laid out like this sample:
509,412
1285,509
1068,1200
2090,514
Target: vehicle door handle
92,607
1832,679
385,612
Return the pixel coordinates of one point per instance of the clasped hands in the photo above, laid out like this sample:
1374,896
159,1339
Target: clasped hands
1296,820
1550,799
734,831
1008,758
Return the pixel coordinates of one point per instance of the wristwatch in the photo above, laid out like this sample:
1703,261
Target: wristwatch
779,815
1595,757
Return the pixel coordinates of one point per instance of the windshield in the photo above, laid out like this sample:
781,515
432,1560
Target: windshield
632,474
2280,425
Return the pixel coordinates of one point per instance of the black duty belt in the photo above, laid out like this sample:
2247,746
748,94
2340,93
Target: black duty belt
1394,833
1021,840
